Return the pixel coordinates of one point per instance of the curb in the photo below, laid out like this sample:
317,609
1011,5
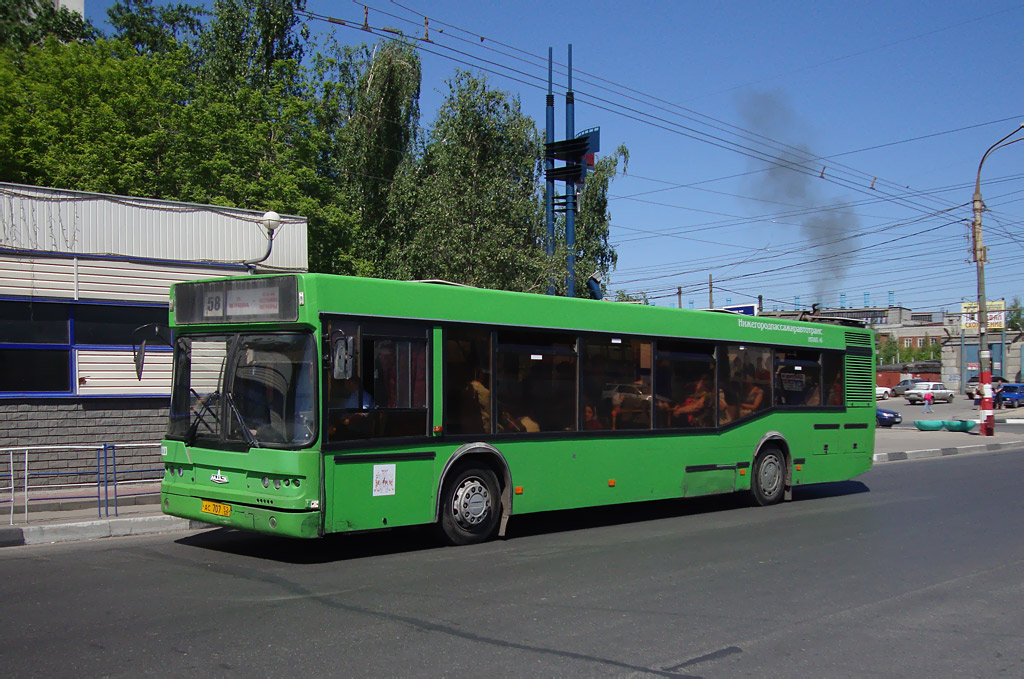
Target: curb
16,536
943,452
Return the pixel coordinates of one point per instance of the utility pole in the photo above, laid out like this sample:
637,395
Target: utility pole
711,294
988,424
679,295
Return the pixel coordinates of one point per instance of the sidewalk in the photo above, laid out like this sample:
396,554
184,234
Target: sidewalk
51,520
905,442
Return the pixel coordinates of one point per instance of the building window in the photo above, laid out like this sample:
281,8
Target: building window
109,325
38,340
35,370
908,342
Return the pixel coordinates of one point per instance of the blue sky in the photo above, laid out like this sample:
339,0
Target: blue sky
789,149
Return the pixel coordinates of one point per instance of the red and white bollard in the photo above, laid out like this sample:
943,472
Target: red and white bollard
988,419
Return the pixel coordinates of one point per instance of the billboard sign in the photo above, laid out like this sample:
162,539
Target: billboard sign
996,315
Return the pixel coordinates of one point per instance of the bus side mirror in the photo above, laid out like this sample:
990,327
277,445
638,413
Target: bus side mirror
140,336
341,357
140,358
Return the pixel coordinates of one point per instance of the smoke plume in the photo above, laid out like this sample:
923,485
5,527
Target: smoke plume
791,177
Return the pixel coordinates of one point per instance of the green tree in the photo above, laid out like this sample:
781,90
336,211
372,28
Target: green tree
637,298
155,29
888,351
102,117
246,38
29,22
469,210
380,137
91,117
1015,315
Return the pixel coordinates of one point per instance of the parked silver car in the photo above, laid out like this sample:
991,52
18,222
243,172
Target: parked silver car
904,385
938,390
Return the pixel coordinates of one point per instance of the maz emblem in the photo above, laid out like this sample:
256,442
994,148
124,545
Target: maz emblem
218,478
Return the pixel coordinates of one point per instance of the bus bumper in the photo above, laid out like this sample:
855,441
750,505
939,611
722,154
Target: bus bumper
245,517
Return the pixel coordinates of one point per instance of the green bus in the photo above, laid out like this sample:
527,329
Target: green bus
311,404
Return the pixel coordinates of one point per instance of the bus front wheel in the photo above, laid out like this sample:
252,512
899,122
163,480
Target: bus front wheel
769,476
470,506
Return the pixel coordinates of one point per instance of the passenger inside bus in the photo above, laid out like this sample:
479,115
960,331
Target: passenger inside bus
726,410
695,411
753,393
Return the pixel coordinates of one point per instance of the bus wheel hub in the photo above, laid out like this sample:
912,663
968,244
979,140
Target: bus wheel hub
471,503
771,475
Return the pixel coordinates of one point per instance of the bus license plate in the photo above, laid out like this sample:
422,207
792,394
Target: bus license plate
216,508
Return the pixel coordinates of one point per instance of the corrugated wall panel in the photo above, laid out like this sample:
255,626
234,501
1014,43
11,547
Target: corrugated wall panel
96,279
137,282
112,373
25,277
53,220
207,365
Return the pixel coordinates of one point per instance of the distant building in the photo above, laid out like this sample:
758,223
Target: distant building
893,315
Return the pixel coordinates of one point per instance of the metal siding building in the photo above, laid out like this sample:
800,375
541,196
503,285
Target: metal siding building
77,271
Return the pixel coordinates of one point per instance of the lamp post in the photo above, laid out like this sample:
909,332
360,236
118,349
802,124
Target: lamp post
984,355
270,221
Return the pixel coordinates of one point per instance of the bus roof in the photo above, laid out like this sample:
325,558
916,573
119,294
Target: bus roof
325,293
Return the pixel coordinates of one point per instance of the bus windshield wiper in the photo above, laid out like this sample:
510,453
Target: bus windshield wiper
193,429
248,435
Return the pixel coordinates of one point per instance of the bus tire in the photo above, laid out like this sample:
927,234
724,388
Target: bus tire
470,506
768,482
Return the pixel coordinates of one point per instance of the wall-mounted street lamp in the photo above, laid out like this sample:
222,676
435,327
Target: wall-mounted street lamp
271,221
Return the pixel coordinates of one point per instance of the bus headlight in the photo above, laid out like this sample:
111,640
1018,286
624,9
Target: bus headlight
266,482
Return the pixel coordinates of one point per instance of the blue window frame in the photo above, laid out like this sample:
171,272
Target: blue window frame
38,339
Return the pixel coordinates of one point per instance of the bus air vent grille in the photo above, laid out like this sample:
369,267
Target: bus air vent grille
860,381
858,339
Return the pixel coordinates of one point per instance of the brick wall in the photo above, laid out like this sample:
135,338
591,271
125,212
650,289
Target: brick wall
128,423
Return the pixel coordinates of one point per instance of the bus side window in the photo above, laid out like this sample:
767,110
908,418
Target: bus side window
535,383
386,396
468,380
745,379
615,383
832,378
797,378
684,385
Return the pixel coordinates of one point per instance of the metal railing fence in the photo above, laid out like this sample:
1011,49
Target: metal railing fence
41,483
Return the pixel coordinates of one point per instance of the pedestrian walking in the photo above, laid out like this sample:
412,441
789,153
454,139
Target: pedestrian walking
928,402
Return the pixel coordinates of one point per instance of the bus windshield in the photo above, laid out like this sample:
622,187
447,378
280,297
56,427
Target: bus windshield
253,390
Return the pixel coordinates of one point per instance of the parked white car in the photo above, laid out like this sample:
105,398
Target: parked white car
938,390
883,393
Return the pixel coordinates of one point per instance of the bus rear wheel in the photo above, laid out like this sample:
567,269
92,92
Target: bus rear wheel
470,506
769,476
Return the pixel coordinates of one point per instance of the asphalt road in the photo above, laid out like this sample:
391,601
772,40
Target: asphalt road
912,570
